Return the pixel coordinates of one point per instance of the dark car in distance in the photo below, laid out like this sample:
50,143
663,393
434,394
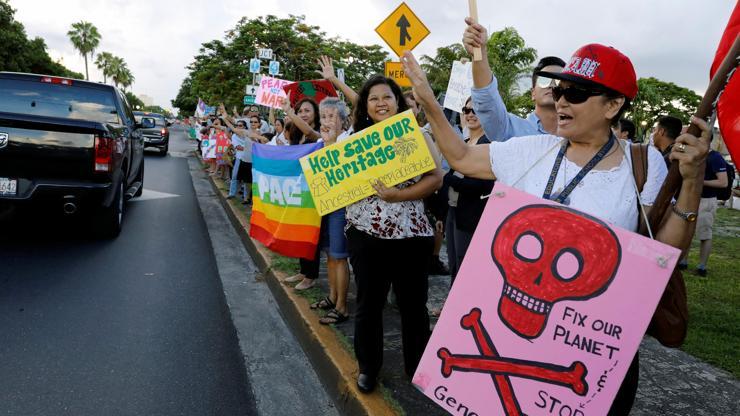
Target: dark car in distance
159,136
69,146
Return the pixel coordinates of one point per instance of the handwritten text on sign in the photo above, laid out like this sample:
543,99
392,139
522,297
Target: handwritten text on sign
546,313
270,92
392,151
460,86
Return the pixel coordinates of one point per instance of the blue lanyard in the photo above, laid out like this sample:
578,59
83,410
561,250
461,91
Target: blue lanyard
579,177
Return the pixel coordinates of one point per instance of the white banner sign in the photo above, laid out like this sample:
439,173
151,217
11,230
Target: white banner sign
460,86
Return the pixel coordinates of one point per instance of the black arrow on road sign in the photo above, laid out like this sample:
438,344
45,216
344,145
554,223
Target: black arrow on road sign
403,24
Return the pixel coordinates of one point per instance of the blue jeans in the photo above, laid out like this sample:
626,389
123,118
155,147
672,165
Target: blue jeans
235,182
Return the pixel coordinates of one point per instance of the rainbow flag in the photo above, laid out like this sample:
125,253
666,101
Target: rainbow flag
284,218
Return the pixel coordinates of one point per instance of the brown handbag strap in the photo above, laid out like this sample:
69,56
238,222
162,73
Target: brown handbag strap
639,152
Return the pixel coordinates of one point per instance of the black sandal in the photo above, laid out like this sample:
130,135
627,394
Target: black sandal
323,304
333,317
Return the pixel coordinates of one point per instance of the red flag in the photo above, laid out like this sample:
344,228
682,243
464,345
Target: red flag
728,110
731,32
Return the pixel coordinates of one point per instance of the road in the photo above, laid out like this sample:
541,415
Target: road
134,326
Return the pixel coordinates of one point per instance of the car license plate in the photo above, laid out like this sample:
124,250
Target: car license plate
8,186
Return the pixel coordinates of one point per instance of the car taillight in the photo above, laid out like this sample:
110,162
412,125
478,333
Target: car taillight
164,131
103,154
56,80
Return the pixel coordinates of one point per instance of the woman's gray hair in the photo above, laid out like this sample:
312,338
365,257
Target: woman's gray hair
333,102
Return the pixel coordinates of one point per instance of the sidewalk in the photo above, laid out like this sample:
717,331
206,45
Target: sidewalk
671,381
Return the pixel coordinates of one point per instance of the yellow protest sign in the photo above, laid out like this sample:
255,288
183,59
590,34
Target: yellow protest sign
402,30
394,71
391,151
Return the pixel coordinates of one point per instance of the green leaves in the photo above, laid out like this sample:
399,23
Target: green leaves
658,98
220,71
85,38
20,54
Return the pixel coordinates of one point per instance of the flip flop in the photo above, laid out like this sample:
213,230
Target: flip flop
333,317
324,304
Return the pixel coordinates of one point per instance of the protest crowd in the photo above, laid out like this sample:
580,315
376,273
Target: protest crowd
576,148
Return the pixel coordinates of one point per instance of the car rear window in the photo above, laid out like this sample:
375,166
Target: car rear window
159,120
55,100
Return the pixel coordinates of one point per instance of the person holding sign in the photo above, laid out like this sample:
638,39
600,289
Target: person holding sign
466,205
390,242
334,115
498,124
585,166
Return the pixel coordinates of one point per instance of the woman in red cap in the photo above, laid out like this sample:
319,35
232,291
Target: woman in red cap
584,165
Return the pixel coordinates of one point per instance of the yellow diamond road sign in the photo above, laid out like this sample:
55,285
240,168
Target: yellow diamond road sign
402,30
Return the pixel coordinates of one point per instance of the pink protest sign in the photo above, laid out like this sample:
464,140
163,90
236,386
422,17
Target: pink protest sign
546,313
270,92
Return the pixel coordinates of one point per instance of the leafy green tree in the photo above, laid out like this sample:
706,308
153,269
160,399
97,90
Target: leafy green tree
85,38
220,70
511,60
438,67
656,98
19,54
134,101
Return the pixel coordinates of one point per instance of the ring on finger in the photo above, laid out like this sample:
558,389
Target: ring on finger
681,147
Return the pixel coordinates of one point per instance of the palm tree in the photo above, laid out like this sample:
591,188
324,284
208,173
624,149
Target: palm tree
121,74
103,62
85,38
116,63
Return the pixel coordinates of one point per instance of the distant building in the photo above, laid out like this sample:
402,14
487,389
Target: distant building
147,100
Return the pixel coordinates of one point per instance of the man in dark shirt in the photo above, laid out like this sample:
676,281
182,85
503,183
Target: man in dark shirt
715,178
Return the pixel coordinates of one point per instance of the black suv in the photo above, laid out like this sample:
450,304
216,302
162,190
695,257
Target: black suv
159,136
70,145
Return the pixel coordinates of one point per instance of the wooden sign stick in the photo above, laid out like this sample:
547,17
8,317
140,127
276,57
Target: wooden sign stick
473,6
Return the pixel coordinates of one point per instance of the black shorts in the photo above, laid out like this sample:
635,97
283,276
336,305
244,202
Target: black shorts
245,172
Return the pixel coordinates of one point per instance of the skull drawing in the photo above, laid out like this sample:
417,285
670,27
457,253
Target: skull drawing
550,253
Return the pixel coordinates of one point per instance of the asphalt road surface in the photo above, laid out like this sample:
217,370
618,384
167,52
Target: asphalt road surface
133,326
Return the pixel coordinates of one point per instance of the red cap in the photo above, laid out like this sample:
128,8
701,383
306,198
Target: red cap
600,65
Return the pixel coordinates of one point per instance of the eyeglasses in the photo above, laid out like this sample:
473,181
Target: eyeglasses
467,110
573,94
544,82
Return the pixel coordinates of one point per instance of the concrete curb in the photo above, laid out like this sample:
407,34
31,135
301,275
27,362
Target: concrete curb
335,365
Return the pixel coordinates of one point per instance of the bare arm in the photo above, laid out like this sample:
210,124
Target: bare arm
327,72
472,161
302,125
720,182
475,36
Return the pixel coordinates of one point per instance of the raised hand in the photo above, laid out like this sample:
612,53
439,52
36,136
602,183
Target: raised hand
423,93
691,151
331,126
475,36
327,67
285,105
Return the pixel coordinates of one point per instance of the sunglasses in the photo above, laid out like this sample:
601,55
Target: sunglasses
573,94
544,82
467,110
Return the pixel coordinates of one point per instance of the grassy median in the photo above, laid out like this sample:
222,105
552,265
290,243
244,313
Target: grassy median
714,301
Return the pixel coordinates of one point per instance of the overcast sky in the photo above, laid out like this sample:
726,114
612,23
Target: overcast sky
673,40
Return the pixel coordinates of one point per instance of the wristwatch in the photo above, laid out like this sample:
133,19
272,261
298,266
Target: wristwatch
688,216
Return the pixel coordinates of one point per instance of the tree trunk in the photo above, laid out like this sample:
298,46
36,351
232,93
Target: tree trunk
87,76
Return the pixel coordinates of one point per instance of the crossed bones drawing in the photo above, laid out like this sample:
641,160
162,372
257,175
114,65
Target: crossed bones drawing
500,368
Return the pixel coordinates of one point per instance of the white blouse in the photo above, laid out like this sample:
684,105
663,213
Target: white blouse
525,163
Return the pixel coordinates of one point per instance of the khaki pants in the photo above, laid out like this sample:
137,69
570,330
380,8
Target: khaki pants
705,219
